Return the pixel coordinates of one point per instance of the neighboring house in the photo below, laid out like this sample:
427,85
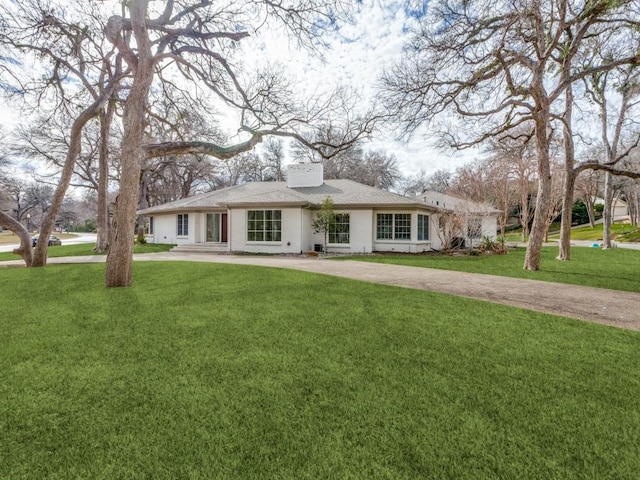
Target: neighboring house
276,217
462,222
620,210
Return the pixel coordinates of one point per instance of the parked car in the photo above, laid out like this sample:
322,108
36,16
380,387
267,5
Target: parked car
53,240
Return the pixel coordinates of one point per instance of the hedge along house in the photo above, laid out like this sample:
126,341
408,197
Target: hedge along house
276,217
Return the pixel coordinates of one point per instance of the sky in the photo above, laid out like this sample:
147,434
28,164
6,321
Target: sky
356,56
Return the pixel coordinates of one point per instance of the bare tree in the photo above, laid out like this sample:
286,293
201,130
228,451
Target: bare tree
439,181
36,31
274,160
375,167
631,191
557,186
197,39
414,184
487,180
24,250
517,155
378,169
451,227
616,146
503,64
587,188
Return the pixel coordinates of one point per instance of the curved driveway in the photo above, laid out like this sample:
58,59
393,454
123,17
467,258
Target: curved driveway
609,307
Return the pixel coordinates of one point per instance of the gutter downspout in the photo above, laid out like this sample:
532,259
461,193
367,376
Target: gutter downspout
307,206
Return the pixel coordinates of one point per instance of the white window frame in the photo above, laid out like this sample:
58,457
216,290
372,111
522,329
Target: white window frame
340,231
182,227
396,227
272,222
425,228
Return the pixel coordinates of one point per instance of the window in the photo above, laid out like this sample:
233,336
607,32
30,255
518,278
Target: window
264,225
385,226
393,226
402,226
339,229
213,227
423,227
183,225
150,225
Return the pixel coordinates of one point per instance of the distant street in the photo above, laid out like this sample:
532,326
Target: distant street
588,243
79,238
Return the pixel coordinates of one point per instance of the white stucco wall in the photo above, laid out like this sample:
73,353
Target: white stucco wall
297,232
165,229
490,227
360,240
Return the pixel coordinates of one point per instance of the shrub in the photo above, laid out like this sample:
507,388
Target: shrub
488,245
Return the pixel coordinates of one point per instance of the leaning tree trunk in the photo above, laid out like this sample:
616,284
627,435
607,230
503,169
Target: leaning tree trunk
75,143
607,212
24,250
543,201
120,257
591,213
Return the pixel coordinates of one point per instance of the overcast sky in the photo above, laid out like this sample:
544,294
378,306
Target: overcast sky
357,55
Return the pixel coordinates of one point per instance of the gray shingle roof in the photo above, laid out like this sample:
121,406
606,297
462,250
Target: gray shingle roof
342,192
449,202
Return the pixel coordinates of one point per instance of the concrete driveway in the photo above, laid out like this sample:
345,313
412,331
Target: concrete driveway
609,307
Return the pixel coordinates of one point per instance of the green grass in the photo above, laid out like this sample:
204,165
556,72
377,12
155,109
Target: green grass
615,269
87,249
618,230
222,371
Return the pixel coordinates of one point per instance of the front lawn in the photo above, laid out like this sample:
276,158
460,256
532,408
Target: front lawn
615,269
87,249
223,371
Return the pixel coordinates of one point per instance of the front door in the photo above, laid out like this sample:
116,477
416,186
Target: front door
223,225
216,228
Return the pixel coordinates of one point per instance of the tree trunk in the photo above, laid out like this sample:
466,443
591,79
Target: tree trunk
569,179
75,143
102,239
24,250
502,221
120,257
524,210
590,212
634,207
140,236
143,203
567,209
543,201
607,212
